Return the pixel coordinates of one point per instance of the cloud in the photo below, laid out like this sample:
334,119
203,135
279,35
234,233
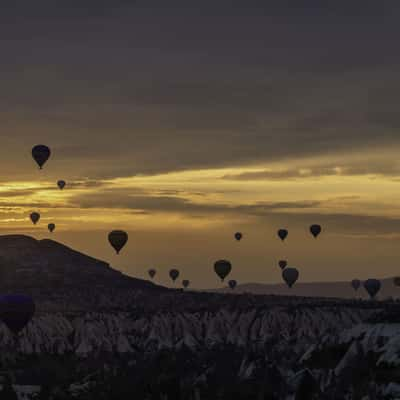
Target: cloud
150,201
387,169
128,96
342,223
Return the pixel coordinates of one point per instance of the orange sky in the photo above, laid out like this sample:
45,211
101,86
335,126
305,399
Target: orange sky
182,123
187,219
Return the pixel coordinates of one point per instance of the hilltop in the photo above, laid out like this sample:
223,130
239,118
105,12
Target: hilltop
29,263
61,278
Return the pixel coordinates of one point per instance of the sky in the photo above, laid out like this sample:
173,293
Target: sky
183,122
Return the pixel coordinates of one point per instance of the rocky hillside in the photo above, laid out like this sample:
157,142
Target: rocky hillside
100,334
276,351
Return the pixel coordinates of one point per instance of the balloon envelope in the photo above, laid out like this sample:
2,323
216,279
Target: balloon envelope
290,276
238,236
355,283
61,184
174,274
51,227
152,273
315,230
282,264
118,240
282,233
372,286
222,268
232,284
35,217
16,311
41,154
185,283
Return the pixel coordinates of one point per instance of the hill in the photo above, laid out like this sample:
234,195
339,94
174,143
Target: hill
318,289
61,278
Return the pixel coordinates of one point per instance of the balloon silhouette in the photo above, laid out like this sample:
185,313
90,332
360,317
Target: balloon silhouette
282,233
315,230
61,184
185,283
222,269
238,236
118,240
16,311
174,274
51,227
232,284
355,283
35,217
290,276
372,286
41,154
282,264
152,273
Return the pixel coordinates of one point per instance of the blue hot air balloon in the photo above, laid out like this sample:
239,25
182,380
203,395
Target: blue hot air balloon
16,311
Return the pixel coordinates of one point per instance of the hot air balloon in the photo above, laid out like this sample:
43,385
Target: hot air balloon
290,276
16,311
118,240
61,184
152,273
174,274
232,284
51,227
238,236
41,154
222,269
355,283
372,286
282,264
315,230
282,233
396,281
35,217
185,283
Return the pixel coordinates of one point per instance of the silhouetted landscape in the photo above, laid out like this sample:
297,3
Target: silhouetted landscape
100,334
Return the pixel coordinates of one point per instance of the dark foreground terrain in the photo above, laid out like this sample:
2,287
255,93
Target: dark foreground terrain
98,334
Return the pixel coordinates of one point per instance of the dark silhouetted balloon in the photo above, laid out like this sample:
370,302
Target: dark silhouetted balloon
41,154
396,281
290,276
222,269
282,264
16,311
355,283
282,233
315,230
232,284
61,184
174,274
372,286
152,273
185,283
118,240
51,227
238,236
35,217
